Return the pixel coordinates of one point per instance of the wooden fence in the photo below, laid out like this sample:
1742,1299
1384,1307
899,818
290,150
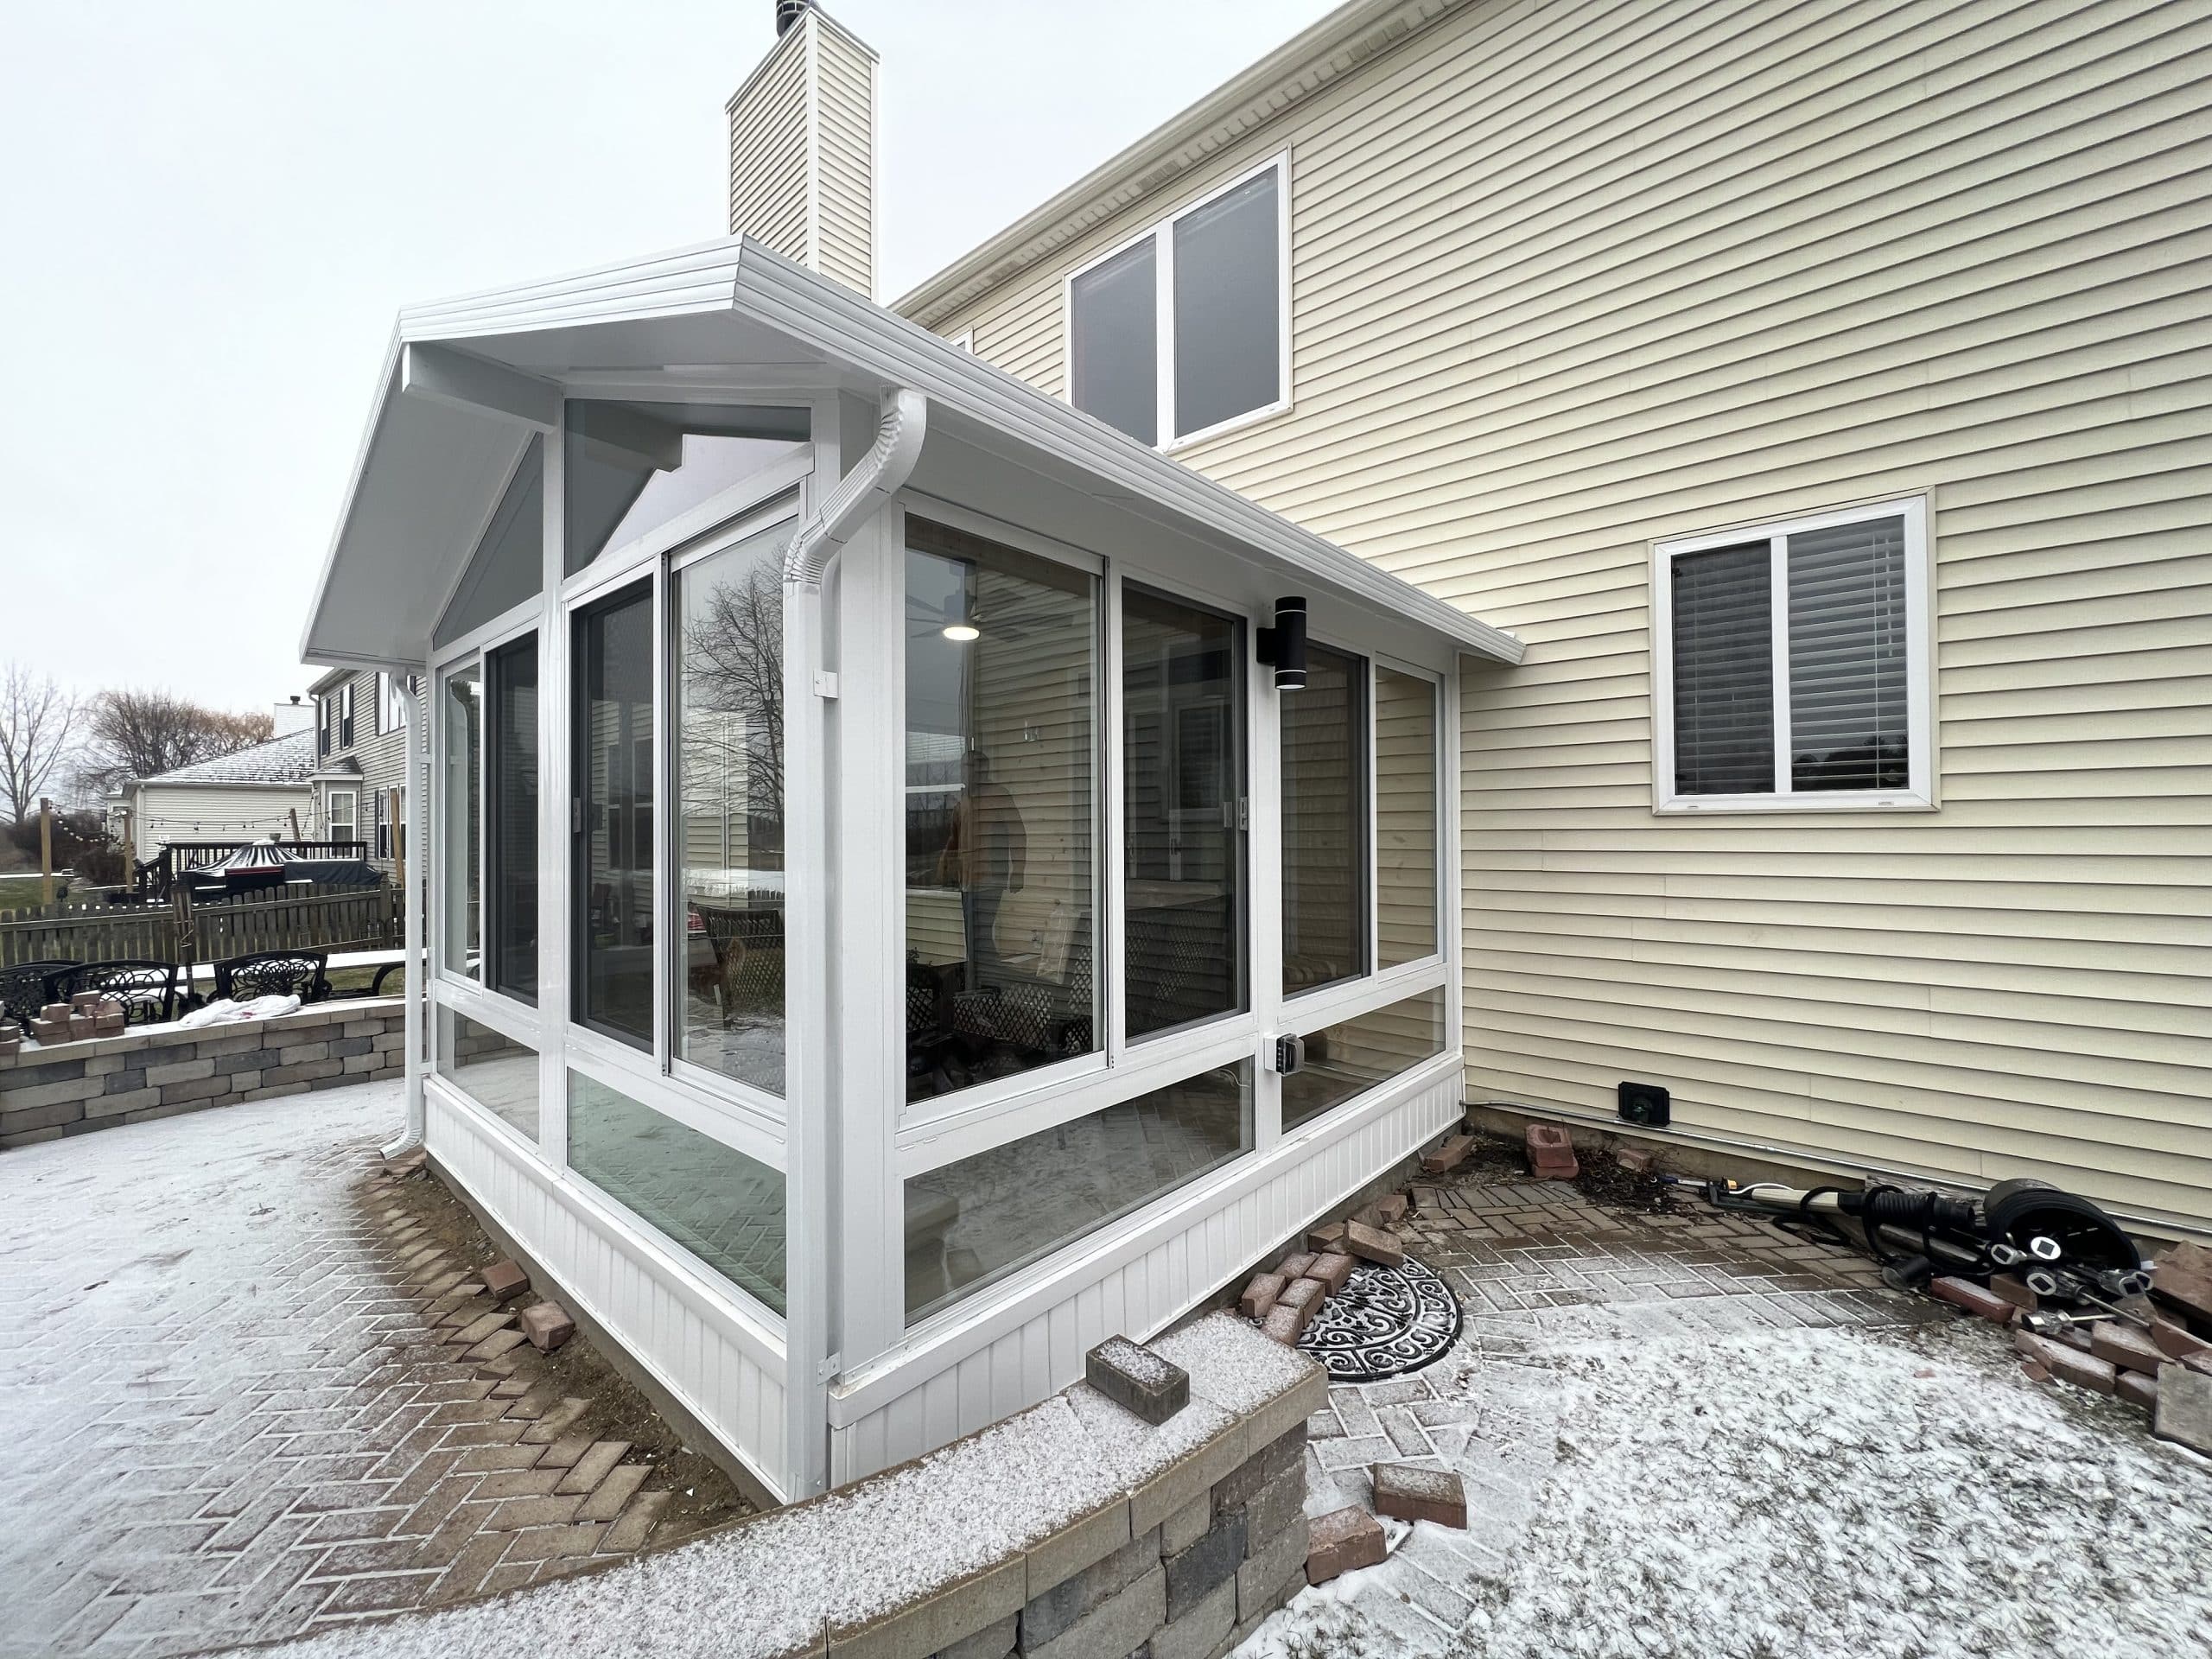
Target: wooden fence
368,920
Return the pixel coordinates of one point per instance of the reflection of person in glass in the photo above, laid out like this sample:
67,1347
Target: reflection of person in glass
984,857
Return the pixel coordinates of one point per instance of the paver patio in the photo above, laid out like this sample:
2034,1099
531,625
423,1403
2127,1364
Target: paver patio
1692,1434
250,1387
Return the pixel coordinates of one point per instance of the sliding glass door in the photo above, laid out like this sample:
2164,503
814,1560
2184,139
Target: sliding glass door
612,855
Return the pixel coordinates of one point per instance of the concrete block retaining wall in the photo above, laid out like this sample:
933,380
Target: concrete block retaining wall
57,1090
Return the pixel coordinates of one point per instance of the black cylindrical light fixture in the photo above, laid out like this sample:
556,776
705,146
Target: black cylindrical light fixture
1283,646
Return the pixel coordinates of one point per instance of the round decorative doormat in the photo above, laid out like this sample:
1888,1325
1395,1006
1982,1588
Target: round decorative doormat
1385,1322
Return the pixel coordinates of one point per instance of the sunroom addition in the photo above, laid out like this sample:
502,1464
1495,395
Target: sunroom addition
890,929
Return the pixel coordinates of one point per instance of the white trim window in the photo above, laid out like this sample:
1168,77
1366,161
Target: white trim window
1791,665
1184,332
342,808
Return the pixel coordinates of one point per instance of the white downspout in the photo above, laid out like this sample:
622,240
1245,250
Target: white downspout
412,974
808,1365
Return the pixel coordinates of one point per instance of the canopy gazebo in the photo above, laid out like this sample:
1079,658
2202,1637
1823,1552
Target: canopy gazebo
919,881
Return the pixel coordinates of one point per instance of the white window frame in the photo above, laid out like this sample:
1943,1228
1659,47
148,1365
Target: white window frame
1920,794
1162,234
473,649
330,798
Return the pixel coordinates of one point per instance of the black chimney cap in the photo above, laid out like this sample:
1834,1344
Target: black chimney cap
789,12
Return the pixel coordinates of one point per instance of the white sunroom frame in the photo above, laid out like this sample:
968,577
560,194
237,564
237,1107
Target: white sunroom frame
839,1385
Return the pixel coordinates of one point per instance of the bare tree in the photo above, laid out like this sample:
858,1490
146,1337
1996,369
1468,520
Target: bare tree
36,717
143,733
734,667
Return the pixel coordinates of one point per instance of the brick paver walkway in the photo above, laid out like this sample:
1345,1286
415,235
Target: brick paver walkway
244,1395
1538,1267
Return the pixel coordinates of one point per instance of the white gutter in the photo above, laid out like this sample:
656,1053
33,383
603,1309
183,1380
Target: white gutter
809,694
881,474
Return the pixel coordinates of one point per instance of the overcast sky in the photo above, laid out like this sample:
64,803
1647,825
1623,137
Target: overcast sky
213,211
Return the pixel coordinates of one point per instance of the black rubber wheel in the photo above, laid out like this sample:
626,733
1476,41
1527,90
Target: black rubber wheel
2004,1190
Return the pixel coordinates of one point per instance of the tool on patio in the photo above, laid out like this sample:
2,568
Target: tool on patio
2072,1252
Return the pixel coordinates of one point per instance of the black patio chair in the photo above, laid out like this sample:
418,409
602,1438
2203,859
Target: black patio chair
22,988
748,947
274,973
147,990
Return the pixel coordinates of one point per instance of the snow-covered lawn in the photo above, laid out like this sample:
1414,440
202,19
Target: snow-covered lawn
1770,1493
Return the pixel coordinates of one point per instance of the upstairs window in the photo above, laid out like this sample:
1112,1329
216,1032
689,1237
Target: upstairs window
345,715
1185,331
1791,665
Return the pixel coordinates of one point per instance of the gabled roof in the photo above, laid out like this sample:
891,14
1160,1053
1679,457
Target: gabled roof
287,760
469,381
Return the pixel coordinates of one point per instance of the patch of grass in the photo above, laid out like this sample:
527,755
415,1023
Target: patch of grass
22,891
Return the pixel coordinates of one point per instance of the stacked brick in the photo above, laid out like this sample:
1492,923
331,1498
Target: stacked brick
1283,1302
97,1081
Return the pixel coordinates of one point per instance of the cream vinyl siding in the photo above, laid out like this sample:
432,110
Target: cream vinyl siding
1571,279
768,152
171,812
845,159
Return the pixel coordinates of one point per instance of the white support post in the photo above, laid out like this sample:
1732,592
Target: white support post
555,786
415,968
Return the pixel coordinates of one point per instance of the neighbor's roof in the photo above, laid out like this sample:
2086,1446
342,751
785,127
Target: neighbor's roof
287,760
1348,37
469,382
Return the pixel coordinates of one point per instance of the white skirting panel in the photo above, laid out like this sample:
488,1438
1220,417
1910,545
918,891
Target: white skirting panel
723,1365
1015,1355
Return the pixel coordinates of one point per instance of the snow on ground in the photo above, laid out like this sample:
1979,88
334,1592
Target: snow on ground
1757,1495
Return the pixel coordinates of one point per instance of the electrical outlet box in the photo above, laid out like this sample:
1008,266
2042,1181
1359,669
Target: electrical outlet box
1646,1104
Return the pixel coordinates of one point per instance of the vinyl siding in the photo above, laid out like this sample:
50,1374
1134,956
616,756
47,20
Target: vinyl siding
1573,278
845,158
768,152
173,812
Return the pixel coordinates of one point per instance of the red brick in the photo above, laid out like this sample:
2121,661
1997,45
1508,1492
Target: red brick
1261,1294
2127,1346
1406,1492
1285,1324
2068,1364
504,1281
1296,1265
1373,1244
1551,1154
2136,1389
1341,1540
1332,1271
1964,1293
1637,1160
1450,1153
1306,1294
2014,1290
1330,1236
2174,1340
2182,1278
1386,1212
548,1326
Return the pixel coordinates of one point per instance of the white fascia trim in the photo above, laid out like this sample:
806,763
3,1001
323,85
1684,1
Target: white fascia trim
784,295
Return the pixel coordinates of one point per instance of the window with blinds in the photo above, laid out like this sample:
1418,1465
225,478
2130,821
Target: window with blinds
1786,664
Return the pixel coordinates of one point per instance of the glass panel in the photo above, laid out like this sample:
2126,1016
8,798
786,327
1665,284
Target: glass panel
1324,823
723,1206
633,467
729,747
1114,315
1724,670
1352,1056
613,855
1182,781
1227,306
1001,752
491,1068
1848,708
513,673
1405,818
988,1215
463,817
509,564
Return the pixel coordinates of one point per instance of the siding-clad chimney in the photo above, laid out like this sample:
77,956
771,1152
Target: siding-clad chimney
802,148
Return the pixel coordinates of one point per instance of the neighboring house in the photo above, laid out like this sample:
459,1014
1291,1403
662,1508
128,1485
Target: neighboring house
242,796
881,972
360,740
